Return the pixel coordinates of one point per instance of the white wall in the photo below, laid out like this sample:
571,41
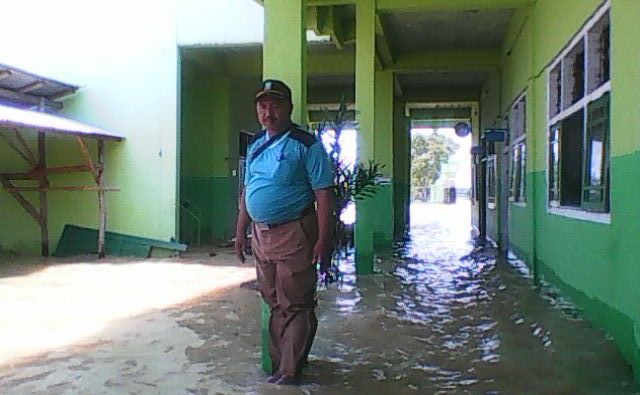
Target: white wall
123,54
206,22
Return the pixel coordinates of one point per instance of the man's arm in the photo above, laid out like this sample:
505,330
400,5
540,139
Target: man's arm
241,227
322,250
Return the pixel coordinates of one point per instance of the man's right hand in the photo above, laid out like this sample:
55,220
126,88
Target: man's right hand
241,246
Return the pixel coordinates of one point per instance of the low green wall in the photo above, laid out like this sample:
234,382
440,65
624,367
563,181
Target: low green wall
215,198
624,330
594,263
383,234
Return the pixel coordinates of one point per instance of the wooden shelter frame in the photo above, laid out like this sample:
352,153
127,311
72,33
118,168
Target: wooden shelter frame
40,173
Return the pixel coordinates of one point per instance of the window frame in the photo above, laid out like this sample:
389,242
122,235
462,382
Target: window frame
517,145
557,159
491,178
554,119
603,204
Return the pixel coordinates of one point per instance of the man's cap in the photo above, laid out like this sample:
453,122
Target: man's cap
275,88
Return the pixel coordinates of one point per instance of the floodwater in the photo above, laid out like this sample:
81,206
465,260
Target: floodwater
434,320
438,321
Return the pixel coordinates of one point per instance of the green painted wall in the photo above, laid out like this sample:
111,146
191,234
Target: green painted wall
595,263
205,137
383,151
489,118
128,78
517,70
215,108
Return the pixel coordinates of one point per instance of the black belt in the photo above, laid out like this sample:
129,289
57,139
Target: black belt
308,210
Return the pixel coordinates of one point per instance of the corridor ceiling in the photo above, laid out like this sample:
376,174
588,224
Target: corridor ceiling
409,32
442,52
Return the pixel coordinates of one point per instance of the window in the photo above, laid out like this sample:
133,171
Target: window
491,182
554,91
579,91
554,166
518,138
599,52
573,76
571,136
596,175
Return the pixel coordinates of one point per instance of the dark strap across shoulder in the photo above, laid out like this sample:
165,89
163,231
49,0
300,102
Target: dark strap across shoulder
269,143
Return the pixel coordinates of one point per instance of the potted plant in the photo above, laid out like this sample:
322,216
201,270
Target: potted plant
353,182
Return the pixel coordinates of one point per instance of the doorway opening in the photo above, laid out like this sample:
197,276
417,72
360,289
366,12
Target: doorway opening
441,181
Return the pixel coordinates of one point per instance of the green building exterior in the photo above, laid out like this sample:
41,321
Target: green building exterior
559,77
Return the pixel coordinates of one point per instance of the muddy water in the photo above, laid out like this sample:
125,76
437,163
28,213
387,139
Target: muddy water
434,320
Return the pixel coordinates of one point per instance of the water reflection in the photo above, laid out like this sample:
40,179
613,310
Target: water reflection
439,319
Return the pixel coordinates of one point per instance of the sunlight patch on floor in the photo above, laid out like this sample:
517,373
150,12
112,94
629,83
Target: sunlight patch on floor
64,304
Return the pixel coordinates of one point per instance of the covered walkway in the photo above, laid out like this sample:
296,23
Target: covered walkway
434,320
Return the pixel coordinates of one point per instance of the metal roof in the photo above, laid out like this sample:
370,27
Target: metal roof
11,117
24,82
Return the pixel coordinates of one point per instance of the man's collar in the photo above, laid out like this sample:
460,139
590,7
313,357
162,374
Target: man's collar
281,133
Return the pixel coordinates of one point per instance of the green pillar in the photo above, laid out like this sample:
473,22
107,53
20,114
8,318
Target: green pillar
400,163
383,151
475,141
365,106
407,169
285,50
285,57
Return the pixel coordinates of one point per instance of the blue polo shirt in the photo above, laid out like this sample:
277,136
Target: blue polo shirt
282,174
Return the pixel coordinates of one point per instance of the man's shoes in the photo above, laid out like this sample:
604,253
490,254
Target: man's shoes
275,377
287,380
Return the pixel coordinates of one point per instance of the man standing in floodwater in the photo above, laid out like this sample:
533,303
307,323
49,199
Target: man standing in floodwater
288,173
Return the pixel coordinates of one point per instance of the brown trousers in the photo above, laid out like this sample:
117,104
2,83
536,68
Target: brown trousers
287,282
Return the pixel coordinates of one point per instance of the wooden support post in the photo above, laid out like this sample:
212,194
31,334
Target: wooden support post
44,183
87,158
101,201
27,150
23,202
36,173
17,150
20,176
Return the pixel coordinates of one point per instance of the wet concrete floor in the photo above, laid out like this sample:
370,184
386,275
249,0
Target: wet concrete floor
432,321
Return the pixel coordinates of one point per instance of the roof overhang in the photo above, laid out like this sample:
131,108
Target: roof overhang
24,89
11,117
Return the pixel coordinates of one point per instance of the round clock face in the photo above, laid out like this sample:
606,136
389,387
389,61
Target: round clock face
462,129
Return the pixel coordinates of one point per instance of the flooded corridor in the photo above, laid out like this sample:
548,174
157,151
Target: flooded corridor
439,321
435,320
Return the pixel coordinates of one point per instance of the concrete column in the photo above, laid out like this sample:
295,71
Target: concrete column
383,152
285,58
285,50
365,105
407,169
475,141
401,162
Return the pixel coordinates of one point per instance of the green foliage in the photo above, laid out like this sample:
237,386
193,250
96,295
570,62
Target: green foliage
357,182
428,154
